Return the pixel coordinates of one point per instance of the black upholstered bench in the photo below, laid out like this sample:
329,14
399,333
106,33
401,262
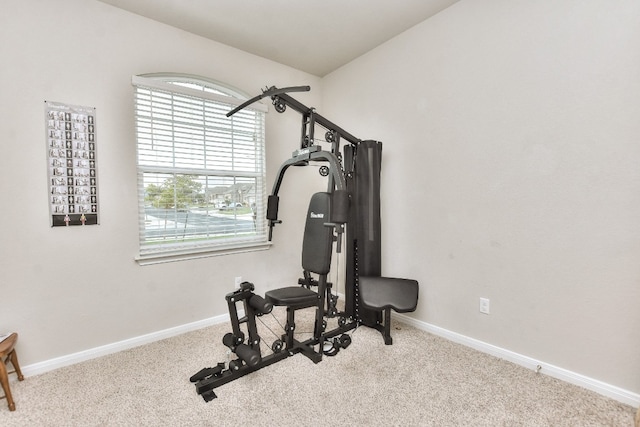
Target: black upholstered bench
386,293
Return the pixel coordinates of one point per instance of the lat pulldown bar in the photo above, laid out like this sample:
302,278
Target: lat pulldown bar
281,100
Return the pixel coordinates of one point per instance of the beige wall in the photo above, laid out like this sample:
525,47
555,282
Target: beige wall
511,171
68,290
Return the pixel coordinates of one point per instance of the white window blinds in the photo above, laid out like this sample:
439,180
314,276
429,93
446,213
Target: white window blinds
201,177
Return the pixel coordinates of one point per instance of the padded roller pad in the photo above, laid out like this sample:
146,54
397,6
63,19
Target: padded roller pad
380,293
292,297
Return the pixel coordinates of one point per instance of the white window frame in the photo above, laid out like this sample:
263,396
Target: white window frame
165,147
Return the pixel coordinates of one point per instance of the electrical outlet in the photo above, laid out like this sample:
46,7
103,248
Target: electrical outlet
484,305
238,281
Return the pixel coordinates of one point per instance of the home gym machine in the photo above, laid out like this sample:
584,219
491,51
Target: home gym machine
350,206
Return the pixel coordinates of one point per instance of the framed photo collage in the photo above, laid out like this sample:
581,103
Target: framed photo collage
72,164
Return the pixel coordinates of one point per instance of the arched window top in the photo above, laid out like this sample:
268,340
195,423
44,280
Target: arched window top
199,87
198,83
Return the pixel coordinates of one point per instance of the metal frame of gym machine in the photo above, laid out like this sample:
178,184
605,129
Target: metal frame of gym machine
357,176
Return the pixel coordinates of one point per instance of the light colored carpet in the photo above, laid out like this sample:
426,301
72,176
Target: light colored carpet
421,380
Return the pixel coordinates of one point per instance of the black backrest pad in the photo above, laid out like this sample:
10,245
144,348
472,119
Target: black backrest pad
317,242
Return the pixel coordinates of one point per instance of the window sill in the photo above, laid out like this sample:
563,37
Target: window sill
164,257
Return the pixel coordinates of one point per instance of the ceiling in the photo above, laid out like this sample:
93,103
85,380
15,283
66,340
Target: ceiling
315,36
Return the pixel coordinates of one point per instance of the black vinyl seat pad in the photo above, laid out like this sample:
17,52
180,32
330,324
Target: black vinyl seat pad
380,293
292,296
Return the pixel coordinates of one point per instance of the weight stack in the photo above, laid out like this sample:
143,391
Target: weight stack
363,163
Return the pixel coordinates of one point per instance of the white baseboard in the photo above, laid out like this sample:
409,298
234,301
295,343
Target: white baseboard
82,356
608,390
597,386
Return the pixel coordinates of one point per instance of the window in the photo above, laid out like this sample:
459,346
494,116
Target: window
201,175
